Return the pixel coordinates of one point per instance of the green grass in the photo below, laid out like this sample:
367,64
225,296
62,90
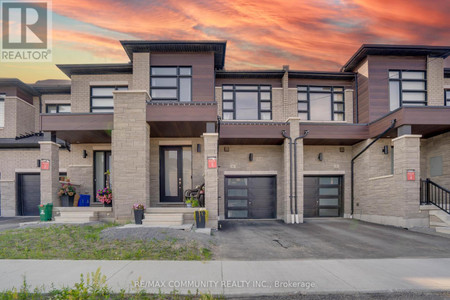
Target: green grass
83,242
94,287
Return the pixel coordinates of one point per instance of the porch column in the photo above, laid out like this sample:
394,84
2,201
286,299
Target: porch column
211,177
407,188
130,148
49,154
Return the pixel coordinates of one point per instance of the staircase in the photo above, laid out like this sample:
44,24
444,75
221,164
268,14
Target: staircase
168,216
79,215
436,200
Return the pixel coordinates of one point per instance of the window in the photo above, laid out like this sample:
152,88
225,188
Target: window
247,102
447,97
407,88
171,83
102,99
321,103
2,110
57,108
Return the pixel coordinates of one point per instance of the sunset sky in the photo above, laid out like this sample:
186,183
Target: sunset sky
261,34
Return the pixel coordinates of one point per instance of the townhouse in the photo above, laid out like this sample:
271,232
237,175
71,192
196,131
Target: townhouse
283,144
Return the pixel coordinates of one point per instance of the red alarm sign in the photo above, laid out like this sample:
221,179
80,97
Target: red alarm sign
411,175
212,162
45,164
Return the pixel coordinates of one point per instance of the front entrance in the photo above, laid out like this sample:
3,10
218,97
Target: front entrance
175,172
251,197
102,164
322,196
29,192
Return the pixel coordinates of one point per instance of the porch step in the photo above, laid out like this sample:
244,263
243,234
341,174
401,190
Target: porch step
443,229
76,216
439,216
165,219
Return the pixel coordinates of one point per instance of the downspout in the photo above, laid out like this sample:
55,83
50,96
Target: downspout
295,173
283,133
359,154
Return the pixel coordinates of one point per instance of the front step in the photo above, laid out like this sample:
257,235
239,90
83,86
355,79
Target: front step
445,230
163,219
77,217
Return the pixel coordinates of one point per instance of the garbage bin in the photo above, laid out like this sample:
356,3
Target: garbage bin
46,212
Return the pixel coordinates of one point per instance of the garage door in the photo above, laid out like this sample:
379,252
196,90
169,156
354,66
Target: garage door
250,197
29,193
322,196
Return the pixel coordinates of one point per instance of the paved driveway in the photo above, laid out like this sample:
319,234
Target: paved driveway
324,239
14,222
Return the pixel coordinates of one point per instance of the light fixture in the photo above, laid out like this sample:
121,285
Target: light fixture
84,154
385,150
199,148
320,157
38,163
250,157
341,149
226,149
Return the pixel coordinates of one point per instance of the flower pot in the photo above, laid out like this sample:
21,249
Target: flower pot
200,219
67,201
138,216
107,204
188,204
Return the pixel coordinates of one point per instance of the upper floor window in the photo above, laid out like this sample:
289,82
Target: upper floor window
57,108
2,110
247,102
321,103
102,98
171,83
407,88
447,97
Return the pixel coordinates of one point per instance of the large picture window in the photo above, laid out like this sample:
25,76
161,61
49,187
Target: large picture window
247,102
2,110
57,108
102,98
407,88
321,103
171,83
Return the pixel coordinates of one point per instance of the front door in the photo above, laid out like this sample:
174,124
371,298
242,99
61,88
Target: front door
102,164
171,174
322,196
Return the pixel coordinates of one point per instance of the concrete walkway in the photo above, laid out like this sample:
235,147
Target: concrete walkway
240,277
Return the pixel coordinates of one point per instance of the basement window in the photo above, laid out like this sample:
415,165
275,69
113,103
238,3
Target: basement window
407,88
246,102
2,110
321,103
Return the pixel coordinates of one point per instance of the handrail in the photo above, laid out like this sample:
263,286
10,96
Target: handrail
433,193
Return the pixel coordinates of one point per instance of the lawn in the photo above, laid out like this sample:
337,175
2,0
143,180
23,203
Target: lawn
84,242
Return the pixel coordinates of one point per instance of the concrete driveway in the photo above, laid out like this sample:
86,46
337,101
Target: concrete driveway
324,239
14,222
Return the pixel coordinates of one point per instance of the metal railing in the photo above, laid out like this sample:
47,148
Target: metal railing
433,193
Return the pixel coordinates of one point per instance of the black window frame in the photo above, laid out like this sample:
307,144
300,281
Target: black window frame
400,80
116,87
178,76
332,92
446,97
235,88
58,105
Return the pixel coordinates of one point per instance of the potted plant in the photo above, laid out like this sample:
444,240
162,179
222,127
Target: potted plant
105,196
138,213
201,217
189,202
66,193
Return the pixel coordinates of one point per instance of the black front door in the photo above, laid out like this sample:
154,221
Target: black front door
29,194
171,174
102,164
322,196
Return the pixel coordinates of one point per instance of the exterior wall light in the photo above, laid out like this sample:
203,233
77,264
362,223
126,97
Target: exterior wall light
84,154
385,150
199,148
250,157
320,157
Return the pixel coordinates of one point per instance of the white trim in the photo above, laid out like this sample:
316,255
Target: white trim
250,173
62,101
7,180
382,177
407,136
175,143
49,143
447,86
108,83
323,172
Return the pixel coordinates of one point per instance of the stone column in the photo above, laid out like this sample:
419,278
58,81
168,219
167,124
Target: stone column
50,178
407,192
211,178
435,81
130,153
141,71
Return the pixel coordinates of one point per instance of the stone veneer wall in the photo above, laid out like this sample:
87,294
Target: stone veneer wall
18,123
435,81
434,147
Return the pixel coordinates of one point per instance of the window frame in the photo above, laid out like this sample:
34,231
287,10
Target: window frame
2,99
400,80
235,89
178,76
332,93
446,99
116,87
58,105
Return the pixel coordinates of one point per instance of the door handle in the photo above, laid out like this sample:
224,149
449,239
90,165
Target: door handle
179,183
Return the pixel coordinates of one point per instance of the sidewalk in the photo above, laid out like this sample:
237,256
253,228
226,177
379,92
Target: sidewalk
240,277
